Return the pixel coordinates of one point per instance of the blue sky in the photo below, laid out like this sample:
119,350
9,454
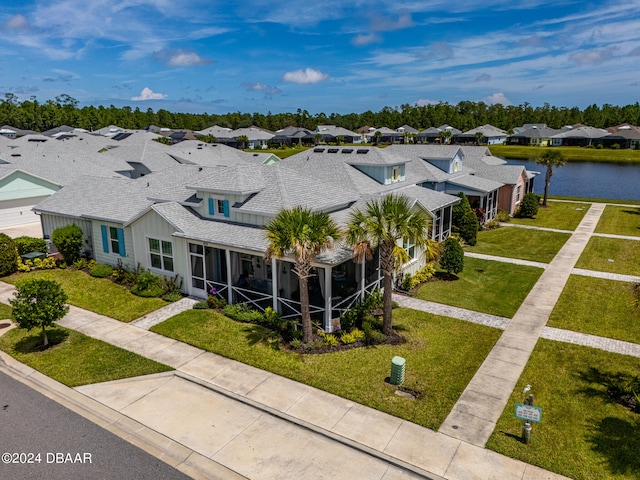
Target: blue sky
326,56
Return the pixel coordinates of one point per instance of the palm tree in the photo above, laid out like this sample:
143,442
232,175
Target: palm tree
383,224
243,139
550,158
303,234
446,136
377,135
478,136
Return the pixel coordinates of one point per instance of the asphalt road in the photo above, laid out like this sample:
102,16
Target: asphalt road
40,438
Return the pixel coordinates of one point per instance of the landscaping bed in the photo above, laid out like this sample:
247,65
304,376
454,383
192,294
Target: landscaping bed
442,355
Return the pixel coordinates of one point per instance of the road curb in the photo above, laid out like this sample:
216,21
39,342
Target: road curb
184,459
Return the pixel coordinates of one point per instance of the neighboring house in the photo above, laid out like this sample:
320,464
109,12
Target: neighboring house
434,134
293,136
516,179
257,137
581,136
330,133
386,135
490,135
535,136
625,136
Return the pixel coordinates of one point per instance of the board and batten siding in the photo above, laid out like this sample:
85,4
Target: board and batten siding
152,225
52,222
112,258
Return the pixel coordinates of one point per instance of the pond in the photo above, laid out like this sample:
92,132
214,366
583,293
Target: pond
589,179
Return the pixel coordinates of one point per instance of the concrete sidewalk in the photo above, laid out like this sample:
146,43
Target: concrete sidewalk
217,415
474,416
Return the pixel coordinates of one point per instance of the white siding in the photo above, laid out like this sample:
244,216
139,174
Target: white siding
52,222
112,258
152,225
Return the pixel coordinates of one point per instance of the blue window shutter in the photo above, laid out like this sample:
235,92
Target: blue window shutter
226,208
105,238
121,249
211,207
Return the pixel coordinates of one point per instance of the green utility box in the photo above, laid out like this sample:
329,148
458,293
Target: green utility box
32,256
397,370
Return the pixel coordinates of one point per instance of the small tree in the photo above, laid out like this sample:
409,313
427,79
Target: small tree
452,259
243,139
68,241
8,255
529,206
39,303
464,220
550,158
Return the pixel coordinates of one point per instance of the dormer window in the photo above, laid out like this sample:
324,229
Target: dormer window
395,174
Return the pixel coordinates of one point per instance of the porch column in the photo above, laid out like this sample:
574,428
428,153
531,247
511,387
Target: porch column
227,256
328,320
274,283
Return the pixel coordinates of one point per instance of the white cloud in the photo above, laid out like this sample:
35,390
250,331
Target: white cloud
16,22
148,94
362,39
497,98
268,90
305,77
186,59
593,57
384,23
424,102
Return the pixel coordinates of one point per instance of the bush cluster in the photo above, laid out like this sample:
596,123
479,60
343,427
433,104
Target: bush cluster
423,275
101,270
452,259
8,255
68,241
464,221
529,206
26,245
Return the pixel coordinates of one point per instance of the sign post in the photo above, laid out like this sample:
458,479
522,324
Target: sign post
528,413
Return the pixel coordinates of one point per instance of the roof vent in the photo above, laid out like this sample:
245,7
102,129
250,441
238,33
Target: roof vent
347,150
332,150
318,150
362,151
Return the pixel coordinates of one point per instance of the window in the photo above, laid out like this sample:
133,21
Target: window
518,193
220,206
410,248
395,174
161,254
113,240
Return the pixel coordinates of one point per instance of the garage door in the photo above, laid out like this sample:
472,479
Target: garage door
18,212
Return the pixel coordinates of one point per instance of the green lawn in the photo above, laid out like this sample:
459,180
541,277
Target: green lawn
599,307
442,355
485,286
591,199
620,221
77,359
584,434
572,154
612,255
5,311
522,243
560,215
98,295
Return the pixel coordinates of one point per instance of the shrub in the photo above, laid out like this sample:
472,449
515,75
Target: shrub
347,338
147,285
173,284
215,301
48,263
242,313
372,335
357,334
599,146
202,305
8,255
528,206
452,259
464,220
83,263
502,216
26,245
615,146
101,270
172,296
421,276
68,241
492,224
296,343
330,340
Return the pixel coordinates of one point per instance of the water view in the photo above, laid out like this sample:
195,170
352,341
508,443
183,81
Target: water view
588,179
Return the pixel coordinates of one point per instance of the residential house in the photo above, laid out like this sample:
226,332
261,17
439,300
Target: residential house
579,136
435,134
330,134
293,136
624,136
486,134
535,136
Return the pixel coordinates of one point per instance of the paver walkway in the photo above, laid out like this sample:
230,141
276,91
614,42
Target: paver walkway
474,416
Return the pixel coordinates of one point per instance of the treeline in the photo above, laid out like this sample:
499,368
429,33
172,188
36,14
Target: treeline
63,110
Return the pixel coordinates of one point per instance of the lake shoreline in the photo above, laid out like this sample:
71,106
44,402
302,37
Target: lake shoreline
571,154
